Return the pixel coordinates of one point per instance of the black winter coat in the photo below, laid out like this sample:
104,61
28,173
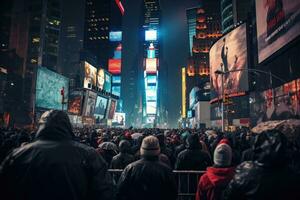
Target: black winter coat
55,167
121,160
147,179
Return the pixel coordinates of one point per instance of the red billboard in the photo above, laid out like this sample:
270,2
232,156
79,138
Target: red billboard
114,66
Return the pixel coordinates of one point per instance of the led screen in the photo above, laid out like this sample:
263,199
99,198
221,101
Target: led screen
114,66
48,89
115,36
281,103
117,54
116,79
150,53
107,84
151,35
151,107
100,78
116,90
151,79
227,54
90,73
151,65
278,23
151,93
119,119
75,102
100,108
89,103
112,109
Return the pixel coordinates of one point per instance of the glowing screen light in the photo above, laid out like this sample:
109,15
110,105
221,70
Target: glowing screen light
151,79
151,107
151,93
151,65
116,90
117,54
151,35
115,36
116,79
114,66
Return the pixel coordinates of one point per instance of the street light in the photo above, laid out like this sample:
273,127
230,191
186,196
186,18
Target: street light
222,73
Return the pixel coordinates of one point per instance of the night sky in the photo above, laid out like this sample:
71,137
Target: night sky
175,44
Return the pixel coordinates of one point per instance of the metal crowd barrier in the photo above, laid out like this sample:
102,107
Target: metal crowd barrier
187,181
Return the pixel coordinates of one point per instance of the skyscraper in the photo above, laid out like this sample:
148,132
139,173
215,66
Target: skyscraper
232,12
35,34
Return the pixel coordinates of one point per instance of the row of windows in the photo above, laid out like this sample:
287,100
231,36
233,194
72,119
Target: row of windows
99,38
98,20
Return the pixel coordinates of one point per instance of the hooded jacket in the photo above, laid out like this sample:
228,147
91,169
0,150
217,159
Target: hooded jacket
213,183
55,166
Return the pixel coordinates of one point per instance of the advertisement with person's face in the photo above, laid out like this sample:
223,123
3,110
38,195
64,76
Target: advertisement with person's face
278,23
112,110
100,108
90,73
100,78
278,104
227,54
89,104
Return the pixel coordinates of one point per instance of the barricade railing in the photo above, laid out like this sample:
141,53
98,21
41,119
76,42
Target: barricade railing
187,181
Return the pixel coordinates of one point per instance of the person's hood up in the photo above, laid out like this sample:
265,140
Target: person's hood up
219,176
192,142
55,125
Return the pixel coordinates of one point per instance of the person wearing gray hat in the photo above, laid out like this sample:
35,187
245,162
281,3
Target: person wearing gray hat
147,178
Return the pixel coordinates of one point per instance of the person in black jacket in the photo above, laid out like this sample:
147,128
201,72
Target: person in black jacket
147,178
121,160
55,166
268,175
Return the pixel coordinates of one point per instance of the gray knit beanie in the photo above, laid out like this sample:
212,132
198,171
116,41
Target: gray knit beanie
150,146
223,155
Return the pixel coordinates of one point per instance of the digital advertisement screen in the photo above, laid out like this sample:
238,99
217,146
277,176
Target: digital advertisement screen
151,93
100,78
278,23
281,103
116,90
115,36
116,79
90,73
119,119
114,66
89,103
48,89
107,84
112,109
193,96
150,107
227,54
151,79
150,53
75,102
151,35
151,65
117,54
100,108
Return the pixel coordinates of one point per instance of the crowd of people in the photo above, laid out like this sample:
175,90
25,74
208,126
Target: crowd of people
59,162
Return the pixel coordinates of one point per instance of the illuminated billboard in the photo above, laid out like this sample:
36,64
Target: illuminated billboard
227,54
75,102
90,73
116,90
89,103
115,36
151,93
183,92
151,35
100,108
114,66
151,65
151,79
151,51
150,107
116,79
277,24
48,89
117,54
100,78
107,83
112,109
119,119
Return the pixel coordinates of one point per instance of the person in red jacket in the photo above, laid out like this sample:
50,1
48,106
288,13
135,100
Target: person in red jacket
216,178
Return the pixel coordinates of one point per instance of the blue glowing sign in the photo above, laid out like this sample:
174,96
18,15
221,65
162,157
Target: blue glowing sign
151,53
117,54
116,90
116,79
115,36
151,35
151,79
